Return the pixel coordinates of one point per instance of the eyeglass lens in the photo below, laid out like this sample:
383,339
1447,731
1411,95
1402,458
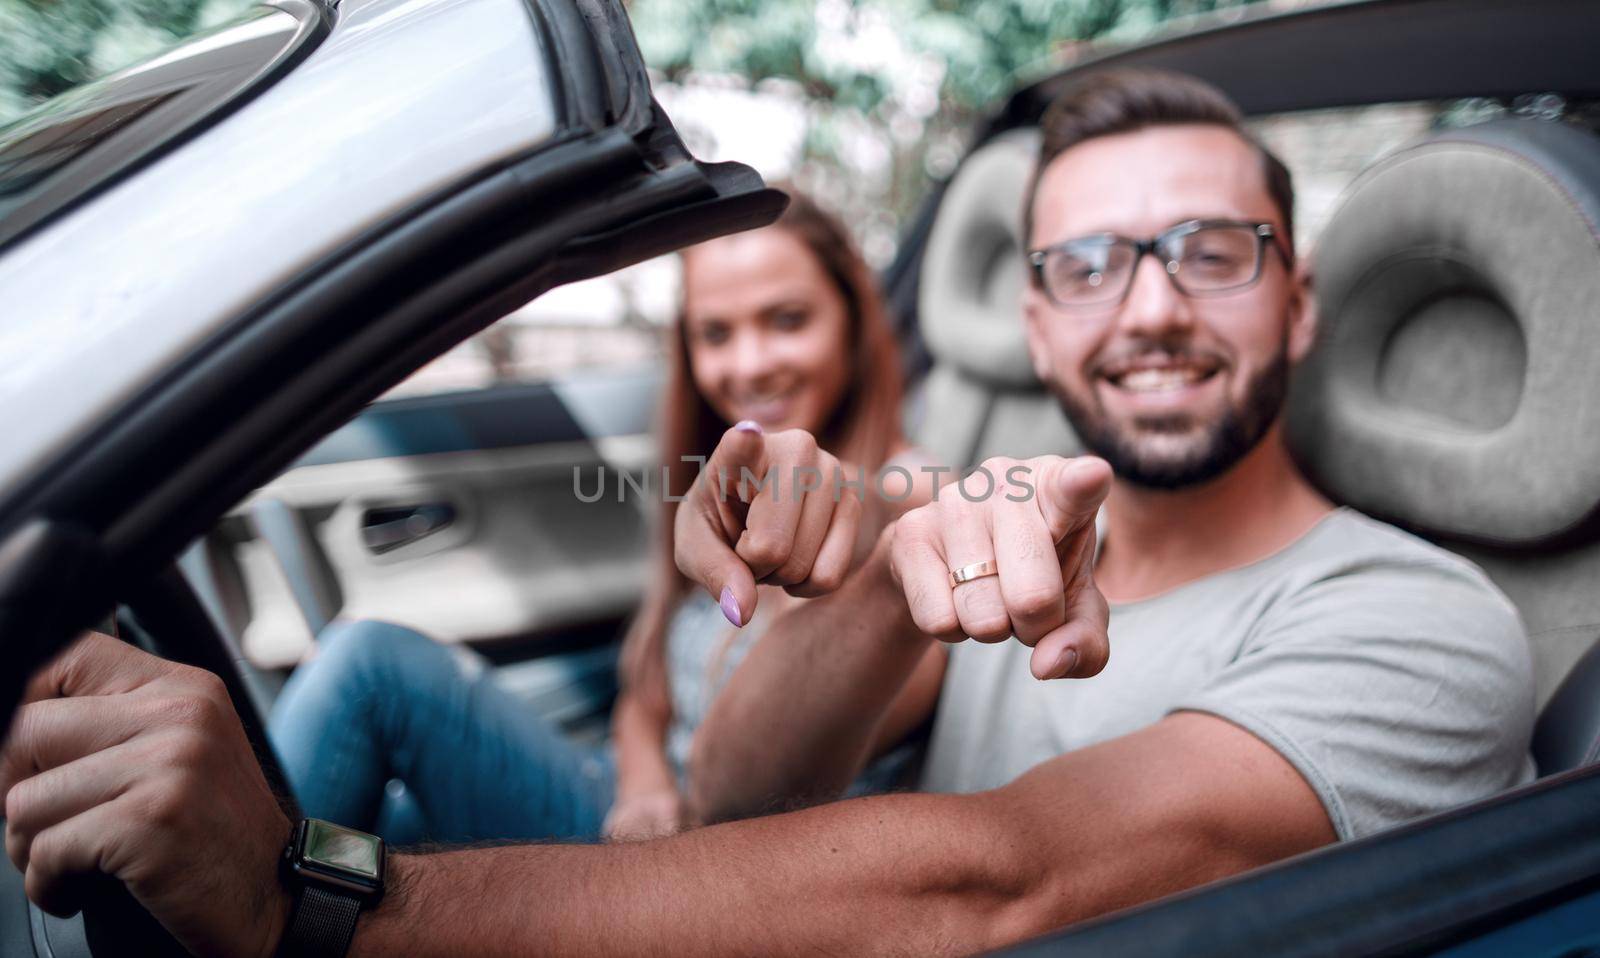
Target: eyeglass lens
1099,269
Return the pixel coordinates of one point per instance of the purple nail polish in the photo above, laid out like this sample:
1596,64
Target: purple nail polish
730,608
747,425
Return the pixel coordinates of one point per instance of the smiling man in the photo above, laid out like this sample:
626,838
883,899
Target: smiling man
1254,672
1284,671
1269,671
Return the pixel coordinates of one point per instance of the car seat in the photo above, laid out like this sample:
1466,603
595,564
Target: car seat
981,397
1453,391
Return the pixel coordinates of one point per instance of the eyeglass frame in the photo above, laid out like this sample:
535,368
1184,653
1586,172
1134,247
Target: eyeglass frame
1264,233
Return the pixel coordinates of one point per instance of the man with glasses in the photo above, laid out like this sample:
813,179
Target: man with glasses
1261,671
1254,671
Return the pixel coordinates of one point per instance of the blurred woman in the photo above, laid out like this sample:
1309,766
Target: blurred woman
781,327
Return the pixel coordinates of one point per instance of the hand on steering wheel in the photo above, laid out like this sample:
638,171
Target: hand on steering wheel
126,764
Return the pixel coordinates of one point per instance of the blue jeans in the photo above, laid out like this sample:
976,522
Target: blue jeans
382,702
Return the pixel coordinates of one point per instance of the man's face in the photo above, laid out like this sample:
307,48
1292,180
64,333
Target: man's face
1172,390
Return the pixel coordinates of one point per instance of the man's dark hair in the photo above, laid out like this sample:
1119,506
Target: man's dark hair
1125,100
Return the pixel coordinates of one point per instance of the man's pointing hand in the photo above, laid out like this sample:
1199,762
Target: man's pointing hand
1023,549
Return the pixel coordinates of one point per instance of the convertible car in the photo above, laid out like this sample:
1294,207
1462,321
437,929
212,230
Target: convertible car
215,264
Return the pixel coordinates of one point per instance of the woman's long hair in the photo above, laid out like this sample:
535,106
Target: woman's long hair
864,430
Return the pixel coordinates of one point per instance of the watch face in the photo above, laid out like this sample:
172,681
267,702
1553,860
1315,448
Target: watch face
330,846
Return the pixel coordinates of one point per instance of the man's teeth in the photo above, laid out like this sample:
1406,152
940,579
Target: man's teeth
1159,380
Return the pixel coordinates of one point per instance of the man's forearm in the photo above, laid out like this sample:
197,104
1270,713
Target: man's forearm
1077,836
798,719
914,874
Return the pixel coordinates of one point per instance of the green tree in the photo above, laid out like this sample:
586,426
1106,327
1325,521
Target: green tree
985,46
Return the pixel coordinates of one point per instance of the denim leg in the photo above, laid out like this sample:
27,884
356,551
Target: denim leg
380,701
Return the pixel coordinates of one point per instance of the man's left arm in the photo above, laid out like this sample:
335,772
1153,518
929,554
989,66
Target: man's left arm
1186,801
132,766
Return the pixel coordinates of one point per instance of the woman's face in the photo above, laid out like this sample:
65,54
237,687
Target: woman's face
766,329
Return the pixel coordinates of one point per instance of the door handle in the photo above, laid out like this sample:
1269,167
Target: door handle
391,527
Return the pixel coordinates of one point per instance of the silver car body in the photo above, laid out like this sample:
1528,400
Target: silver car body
372,120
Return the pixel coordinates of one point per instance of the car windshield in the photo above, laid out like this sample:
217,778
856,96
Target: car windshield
82,140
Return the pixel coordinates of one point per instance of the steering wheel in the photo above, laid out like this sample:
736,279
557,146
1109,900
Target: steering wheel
162,616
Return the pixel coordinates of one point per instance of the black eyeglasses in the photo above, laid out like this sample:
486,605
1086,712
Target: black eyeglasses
1202,257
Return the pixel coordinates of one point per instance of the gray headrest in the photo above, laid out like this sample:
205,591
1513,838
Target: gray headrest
1454,386
970,300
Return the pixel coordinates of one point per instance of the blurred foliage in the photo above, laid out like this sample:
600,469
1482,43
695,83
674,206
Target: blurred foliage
983,46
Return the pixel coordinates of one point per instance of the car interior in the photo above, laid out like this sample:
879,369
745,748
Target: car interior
1445,395
452,514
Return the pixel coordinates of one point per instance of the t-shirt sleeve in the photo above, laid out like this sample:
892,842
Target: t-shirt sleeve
1396,689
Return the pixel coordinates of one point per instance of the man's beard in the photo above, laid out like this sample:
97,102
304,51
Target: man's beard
1150,452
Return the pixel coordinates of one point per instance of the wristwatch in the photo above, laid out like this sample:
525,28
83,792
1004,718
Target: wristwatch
333,872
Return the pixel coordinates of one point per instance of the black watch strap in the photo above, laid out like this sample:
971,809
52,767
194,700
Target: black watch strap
322,924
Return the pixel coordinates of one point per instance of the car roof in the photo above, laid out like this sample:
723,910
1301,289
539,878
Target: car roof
1362,52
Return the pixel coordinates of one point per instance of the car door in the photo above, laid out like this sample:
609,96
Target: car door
197,305
470,513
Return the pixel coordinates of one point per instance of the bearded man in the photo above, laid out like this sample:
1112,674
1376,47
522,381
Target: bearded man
1260,671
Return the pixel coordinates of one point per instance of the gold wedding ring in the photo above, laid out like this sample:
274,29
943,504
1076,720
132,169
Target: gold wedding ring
976,570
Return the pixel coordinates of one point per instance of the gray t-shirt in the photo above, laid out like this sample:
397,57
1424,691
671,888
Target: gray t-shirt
1392,674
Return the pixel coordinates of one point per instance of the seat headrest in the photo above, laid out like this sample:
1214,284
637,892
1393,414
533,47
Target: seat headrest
1453,388
970,299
